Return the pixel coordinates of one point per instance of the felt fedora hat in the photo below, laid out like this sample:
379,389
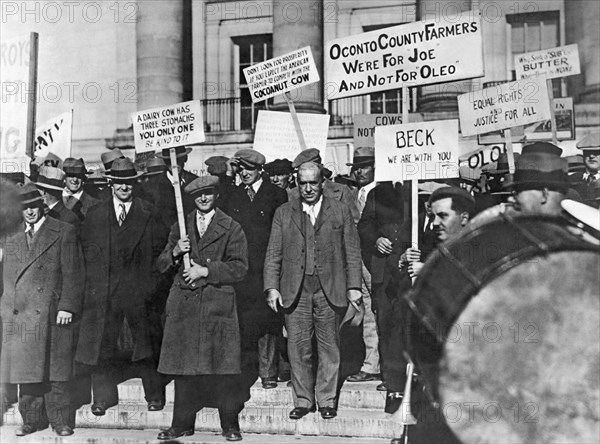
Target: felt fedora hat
51,178
122,169
180,151
363,156
540,166
30,196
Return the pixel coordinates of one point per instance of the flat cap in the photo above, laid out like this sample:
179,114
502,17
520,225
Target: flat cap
30,195
590,142
202,183
50,178
216,165
308,155
452,192
363,155
250,158
279,167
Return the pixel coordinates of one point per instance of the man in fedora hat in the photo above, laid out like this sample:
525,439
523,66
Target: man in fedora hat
252,204
202,311
43,283
584,181
109,157
121,243
50,182
540,181
363,171
74,196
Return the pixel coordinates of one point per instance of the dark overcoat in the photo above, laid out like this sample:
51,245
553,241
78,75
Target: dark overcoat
39,281
144,242
62,213
82,206
202,334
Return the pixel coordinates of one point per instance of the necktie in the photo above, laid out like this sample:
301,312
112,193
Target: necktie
311,214
591,179
362,200
70,201
201,225
122,215
30,234
251,192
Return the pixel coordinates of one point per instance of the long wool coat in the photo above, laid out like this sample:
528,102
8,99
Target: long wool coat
39,281
202,334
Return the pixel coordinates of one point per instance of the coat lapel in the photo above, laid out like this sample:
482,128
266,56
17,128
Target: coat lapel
135,223
297,215
47,235
215,230
323,214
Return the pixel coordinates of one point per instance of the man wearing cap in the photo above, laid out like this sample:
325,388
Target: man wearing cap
281,173
540,181
252,204
50,182
121,243
202,345
312,271
43,283
585,181
220,167
74,196
363,171
331,189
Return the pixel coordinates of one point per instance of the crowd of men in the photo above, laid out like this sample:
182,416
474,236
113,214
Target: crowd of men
100,285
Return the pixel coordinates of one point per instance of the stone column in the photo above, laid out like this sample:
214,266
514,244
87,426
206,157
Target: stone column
441,99
581,23
296,25
160,47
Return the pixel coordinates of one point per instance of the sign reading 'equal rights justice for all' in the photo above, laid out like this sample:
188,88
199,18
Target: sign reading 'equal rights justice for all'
419,53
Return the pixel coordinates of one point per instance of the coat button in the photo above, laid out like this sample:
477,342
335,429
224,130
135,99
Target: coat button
15,312
40,290
38,311
193,285
40,267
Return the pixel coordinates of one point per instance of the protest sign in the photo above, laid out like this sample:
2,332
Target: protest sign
18,75
54,136
503,106
281,74
167,127
275,136
364,125
551,63
417,151
418,53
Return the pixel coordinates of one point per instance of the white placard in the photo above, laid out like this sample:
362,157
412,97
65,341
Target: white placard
281,74
417,151
364,125
54,136
551,63
168,126
275,136
419,53
504,106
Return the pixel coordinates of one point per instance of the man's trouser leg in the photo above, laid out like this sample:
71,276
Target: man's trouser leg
370,336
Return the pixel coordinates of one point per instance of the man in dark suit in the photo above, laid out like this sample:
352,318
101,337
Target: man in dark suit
584,182
252,204
43,282
50,182
74,196
121,244
312,270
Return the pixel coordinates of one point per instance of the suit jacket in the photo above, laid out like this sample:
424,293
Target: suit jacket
62,213
39,280
202,319
335,191
144,243
383,216
585,189
82,206
338,261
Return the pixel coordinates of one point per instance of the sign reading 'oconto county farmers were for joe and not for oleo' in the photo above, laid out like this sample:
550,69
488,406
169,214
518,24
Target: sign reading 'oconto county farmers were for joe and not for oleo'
417,151
419,53
504,106
167,127
281,74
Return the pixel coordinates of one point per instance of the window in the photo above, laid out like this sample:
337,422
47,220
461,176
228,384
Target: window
533,32
252,49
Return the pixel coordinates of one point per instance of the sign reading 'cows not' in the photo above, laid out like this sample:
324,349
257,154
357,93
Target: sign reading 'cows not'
552,63
419,53
417,151
281,74
364,126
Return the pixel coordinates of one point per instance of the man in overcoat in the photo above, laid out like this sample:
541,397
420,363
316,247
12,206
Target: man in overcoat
74,196
201,346
312,270
43,282
121,243
50,182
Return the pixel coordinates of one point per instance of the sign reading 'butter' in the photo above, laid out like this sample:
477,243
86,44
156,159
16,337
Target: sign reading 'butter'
419,53
552,63
417,151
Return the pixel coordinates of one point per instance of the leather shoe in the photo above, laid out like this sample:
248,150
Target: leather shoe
382,387
299,412
98,409
269,383
232,435
63,430
396,441
363,377
284,377
25,429
174,433
155,406
328,412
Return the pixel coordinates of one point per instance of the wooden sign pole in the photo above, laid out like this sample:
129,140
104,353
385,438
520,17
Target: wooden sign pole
414,183
552,113
290,102
179,203
509,150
